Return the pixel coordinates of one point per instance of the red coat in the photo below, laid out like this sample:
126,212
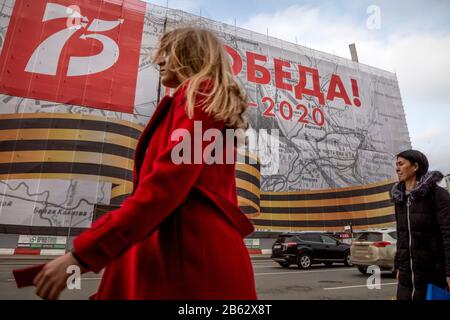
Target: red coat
179,235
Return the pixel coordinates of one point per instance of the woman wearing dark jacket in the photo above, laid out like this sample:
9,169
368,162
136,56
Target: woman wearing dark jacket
422,211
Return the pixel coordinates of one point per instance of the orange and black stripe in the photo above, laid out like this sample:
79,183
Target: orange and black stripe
327,210
69,146
247,183
74,146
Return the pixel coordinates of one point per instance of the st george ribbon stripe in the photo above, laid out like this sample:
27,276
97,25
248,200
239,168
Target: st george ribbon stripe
325,209
325,223
247,177
66,145
80,124
64,167
327,195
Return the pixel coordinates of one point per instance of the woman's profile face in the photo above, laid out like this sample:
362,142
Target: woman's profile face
405,169
168,78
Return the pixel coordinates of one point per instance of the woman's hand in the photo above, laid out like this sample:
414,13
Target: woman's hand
52,280
448,283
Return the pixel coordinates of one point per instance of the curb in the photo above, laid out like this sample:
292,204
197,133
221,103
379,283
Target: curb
259,251
51,257
260,256
50,253
31,252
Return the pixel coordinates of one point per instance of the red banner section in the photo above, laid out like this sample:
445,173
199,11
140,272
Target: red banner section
308,83
78,52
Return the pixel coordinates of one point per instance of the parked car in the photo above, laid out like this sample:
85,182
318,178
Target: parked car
306,248
374,248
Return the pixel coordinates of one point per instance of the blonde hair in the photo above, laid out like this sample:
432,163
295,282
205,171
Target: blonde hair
198,57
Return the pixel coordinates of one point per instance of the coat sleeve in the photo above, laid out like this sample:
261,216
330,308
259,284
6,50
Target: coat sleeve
396,262
391,195
158,194
442,198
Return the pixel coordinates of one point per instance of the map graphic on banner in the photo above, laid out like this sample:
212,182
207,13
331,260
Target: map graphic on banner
55,203
82,88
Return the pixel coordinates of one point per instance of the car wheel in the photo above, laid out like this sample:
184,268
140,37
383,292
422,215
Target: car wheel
284,264
328,264
363,270
347,260
304,261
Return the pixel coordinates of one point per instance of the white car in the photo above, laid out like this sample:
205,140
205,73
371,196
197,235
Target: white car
374,248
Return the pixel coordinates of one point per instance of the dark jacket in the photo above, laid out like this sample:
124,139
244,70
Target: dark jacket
423,244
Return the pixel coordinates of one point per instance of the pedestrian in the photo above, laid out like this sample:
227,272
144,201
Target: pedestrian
422,211
180,234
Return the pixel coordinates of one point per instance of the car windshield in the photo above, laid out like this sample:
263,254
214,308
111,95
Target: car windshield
370,237
311,237
393,235
328,240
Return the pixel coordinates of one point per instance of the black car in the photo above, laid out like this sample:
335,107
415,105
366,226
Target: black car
304,249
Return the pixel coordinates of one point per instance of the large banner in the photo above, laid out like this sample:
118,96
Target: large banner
77,87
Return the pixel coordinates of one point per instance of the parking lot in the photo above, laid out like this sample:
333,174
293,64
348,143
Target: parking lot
273,283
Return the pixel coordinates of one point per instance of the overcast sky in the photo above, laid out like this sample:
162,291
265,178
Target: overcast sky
411,38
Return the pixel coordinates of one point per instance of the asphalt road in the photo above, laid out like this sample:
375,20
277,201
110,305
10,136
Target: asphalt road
272,281
319,283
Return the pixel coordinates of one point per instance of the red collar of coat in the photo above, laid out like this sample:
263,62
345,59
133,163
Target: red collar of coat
147,134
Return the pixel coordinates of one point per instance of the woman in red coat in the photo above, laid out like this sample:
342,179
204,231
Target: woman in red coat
179,235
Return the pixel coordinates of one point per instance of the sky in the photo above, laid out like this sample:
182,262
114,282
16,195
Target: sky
408,37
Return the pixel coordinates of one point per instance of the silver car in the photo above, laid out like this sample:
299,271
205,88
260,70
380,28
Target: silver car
374,248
